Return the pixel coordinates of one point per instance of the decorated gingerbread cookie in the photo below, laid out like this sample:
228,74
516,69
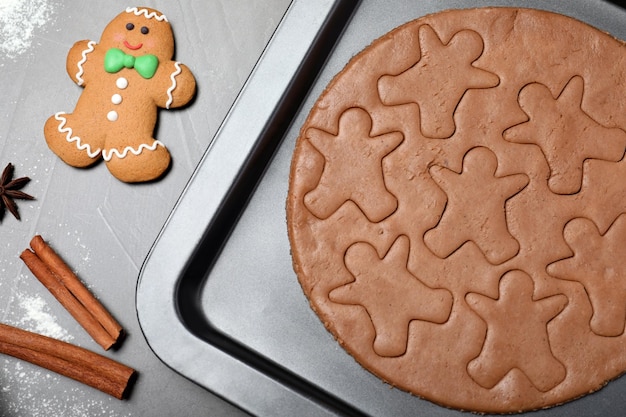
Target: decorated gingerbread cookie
126,77
457,208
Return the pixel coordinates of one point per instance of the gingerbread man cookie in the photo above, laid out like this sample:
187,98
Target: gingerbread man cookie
126,77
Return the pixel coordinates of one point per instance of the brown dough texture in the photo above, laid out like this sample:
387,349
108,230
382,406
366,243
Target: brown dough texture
457,208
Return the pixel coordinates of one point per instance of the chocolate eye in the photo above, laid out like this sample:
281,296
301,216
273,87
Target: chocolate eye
130,26
144,30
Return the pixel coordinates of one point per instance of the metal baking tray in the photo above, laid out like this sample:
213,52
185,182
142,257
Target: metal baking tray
217,297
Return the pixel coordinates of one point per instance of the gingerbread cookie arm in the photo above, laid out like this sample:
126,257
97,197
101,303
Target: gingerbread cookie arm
177,88
79,59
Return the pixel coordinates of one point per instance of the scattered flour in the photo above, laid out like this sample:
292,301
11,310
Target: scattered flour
18,21
37,319
22,394
30,391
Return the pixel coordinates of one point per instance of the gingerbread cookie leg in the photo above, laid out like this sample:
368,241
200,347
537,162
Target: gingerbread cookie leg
144,161
72,140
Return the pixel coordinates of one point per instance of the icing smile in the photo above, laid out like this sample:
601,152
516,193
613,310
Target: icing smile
133,47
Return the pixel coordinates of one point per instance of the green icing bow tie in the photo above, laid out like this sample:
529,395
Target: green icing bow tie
116,59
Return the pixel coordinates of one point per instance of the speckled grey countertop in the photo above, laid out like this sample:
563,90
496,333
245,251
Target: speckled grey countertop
102,227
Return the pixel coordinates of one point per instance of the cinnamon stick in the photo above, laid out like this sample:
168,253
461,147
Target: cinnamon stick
67,288
72,361
76,287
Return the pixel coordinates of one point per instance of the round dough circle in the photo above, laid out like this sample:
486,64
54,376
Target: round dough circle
457,208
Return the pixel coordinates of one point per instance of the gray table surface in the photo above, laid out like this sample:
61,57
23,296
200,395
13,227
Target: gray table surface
102,227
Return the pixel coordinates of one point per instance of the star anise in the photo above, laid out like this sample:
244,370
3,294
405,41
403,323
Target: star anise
10,190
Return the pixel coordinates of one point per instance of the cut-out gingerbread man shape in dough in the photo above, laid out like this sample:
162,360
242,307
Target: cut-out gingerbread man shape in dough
597,265
126,77
565,133
603,184
400,296
517,335
353,168
478,216
428,84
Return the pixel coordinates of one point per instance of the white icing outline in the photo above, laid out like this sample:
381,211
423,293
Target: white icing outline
139,12
81,70
70,139
173,76
107,156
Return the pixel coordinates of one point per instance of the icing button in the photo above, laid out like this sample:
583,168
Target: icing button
121,83
116,99
112,115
